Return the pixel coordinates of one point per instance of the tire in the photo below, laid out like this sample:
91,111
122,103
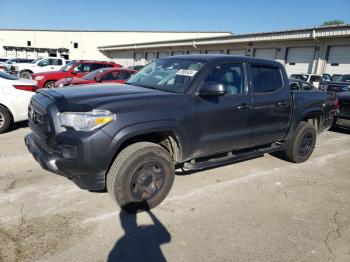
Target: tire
49,84
300,147
26,75
138,170
5,120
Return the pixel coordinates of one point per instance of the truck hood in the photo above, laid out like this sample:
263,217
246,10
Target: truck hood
88,97
56,74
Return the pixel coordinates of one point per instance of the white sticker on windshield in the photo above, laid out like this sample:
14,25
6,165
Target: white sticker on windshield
184,72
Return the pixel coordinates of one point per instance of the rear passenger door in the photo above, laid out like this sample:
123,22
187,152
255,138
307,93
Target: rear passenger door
271,104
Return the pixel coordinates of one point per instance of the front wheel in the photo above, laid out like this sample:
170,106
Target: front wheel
26,75
5,120
300,147
141,176
49,84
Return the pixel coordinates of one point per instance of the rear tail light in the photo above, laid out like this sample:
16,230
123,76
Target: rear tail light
336,103
26,88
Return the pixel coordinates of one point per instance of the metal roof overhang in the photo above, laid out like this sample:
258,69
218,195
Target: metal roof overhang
298,34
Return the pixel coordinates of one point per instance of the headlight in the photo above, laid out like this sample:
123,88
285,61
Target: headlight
38,78
86,121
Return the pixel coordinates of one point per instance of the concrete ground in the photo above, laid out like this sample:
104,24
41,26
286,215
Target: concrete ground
265,209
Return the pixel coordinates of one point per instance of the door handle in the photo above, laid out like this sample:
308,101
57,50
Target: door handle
283,104
244,106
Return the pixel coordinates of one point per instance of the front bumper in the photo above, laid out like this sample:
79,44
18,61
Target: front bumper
81,169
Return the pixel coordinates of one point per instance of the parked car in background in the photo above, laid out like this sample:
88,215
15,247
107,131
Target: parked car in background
6,66
298,84
3,59
136,67
335,83
343,113
78,68
25,70
15,94
190,111
105,75
313,79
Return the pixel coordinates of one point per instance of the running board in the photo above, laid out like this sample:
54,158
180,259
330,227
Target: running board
231,158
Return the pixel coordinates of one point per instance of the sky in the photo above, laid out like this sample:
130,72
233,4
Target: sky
245,16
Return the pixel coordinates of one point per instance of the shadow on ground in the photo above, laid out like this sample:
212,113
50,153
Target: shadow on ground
140,242
341,130
19,125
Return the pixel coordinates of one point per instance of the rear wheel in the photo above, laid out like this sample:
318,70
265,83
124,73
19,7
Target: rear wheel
300,147
5,120
141,176
49,84
26,75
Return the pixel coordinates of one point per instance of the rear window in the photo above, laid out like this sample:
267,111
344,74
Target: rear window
266,79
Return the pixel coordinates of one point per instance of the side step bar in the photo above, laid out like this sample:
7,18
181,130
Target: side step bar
231,158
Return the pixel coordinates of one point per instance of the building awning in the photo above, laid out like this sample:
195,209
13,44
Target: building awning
342,30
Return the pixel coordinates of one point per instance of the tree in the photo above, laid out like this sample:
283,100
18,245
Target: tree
334,22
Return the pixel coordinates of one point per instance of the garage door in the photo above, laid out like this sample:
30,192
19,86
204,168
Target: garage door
338,61
266,53
41,54
178,53
193,52
163,54
214,52
9,53
236,51
300,60
150,56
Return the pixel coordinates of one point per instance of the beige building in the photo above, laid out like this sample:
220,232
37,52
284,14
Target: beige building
74,44
310,50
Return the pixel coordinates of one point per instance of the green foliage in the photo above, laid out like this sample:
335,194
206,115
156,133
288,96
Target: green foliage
333,22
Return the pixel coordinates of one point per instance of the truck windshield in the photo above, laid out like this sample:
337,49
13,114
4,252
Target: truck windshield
67,67
341,78
168,74
93,74
36,60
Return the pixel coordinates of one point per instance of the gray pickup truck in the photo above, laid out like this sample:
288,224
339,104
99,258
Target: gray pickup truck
190,112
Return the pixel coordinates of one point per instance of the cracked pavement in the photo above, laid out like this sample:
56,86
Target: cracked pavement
264,209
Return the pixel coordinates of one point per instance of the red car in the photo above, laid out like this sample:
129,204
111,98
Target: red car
77,68
106,75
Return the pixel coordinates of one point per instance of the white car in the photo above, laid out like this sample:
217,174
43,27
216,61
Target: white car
15,95
25,70
313,79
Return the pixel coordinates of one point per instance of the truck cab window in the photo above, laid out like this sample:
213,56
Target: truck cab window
266,79
230,75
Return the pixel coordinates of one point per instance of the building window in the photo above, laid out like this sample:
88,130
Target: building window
29,43
75,45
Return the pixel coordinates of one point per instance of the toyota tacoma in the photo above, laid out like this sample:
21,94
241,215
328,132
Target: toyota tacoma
190,112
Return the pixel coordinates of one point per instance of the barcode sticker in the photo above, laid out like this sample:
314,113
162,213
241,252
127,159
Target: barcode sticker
185,72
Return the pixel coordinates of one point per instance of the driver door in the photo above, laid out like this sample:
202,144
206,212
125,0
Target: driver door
221,123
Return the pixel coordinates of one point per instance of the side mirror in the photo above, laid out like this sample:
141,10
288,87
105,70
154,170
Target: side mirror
212,89
98,79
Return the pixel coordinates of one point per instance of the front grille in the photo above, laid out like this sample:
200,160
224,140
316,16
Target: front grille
38,121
